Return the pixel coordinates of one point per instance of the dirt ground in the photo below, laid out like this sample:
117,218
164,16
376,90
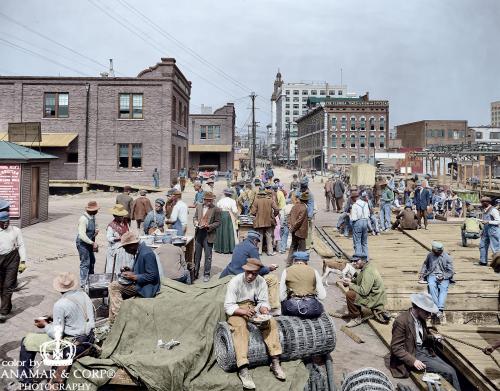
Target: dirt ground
51,249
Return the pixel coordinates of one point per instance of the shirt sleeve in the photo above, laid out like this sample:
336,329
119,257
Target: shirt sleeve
230,301
82,230
320,289
110,235
366,285
496,217
175,213
58,320
283,294
21,248
262,295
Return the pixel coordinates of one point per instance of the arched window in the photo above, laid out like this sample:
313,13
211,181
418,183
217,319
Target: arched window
334,141
382,123
344,122
362,141
353,123
343,140
372,141
362,123
372,123
333,159
353,158
382,141
334,122
353,141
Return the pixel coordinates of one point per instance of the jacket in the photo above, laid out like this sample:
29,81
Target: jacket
328,187
422,198
338,189
404,344
297,221
242,251
265,210
369,288
213,220
408,219
140,208
146,271
432,261
126,201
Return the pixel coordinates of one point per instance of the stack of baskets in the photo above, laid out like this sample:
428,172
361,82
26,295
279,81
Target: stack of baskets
367,379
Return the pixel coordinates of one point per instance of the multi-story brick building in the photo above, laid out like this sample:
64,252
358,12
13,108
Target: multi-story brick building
211,138
342,131
495,114
106,128
422,134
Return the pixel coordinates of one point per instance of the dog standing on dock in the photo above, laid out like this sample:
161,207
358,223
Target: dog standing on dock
341,268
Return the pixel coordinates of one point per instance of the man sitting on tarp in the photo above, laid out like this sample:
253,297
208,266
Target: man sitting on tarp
142,281
249,248
246,297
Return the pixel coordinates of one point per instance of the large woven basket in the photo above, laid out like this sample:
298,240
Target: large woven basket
300,338
367,379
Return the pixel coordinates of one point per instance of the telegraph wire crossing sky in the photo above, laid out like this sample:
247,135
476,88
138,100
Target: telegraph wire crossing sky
430,59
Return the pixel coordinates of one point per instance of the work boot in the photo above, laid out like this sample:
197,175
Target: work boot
246,379
354,322
206,278
3,318
276,369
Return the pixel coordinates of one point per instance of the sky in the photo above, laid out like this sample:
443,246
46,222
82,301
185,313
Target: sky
432,59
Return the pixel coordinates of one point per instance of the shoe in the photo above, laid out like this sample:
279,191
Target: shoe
277,370
440,314
3,318
480,264
206,278
354,322
340,315
246,379
422,281
271,254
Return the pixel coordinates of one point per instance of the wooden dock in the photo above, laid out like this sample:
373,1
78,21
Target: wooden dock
472,304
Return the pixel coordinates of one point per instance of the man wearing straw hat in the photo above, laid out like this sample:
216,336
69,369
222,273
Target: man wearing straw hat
412,344
73,316
246,297
85,241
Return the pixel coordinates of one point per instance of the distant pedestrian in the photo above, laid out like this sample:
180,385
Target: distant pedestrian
182,178
421,200
360,213
85,241
338,193
386,200
329,194
156,178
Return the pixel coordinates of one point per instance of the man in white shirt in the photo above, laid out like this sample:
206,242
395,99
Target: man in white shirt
490,237
12,261
247,296
178,217
360,213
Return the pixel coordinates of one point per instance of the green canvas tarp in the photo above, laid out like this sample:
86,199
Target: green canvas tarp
185,313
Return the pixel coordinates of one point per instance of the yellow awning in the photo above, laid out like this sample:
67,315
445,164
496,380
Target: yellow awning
210,148
48,140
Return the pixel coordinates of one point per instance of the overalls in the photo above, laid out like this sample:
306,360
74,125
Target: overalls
86,252
489,238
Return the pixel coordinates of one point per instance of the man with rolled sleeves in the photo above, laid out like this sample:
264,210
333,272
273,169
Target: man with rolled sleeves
247,296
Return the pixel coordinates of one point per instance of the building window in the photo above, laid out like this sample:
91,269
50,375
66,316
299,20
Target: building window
296,99
372,123
353,123
495,136
72,157
333,159
287,119
296,92
314,92
322,92
56,105
362,141
129,156
179,158
210,132
340,92
479,135
343,141
287,99
362,158
334,122
382,123
353,141
331,92
174,160
296,106
362,123
174,109
304,99
353,158
343,159
305,92
287,112
372,141
287,106
344,122
131,106
382,141
295,112
304,106
287,92
334,141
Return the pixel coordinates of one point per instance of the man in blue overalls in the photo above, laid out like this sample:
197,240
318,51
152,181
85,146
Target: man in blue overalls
85,241
490,236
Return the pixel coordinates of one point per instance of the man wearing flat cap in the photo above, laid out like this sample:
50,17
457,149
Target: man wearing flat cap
437,271
247,297
155,219
85,241
490,237
12,260
412,345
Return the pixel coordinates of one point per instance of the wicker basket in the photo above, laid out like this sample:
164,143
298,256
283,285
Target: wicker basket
367,379
300,338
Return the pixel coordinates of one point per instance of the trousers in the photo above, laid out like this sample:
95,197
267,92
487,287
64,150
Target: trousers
9,264
360,237
422,214
284,231
437,365
202,245
489,238
438,289
241,336
268,233
117,293
352,307
298,244
385,215
339,203
330,199
87,261
273,288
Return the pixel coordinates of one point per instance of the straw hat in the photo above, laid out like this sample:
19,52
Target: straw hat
252,265
424,301
92,206
209,196
65,282
128,238
119,210
304,196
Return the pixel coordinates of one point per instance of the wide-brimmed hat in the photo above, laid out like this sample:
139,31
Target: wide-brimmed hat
128,238
253,235
485,199
210,180
4,215
304,196
119,210
354,194
65,282
228,192
4,204
357,257
209,196
419,183
252,265
424,301
127,188
302,256
177,193
160,201
92,206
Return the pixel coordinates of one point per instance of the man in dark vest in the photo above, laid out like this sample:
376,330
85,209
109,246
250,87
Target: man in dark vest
85,241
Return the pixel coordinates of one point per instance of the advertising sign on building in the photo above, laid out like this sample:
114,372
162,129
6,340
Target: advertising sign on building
10,187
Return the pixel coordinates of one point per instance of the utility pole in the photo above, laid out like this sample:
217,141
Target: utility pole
254,132
288,143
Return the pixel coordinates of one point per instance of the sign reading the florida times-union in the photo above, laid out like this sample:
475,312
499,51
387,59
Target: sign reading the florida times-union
10,186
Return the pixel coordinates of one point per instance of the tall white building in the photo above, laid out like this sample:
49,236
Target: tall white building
288,103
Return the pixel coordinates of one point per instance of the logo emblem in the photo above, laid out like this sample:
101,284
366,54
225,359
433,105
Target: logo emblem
58,352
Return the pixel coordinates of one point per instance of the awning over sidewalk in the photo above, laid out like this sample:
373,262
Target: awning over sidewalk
210,148
48,140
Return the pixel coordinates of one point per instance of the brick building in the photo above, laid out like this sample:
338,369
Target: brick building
422,134
106,128
211,138
342,131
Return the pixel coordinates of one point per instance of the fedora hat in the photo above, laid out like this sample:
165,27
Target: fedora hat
304,196
65,282
128,238
424,301
209,196
119,210
92,206
252,265
485,199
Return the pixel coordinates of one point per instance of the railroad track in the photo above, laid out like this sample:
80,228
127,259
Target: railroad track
331,243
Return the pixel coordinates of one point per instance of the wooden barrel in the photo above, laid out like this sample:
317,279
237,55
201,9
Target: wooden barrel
300,338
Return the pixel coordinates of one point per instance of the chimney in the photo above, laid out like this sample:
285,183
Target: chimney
111,70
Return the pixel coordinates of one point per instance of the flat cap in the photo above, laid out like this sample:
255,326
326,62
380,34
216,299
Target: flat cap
301,256
437,245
